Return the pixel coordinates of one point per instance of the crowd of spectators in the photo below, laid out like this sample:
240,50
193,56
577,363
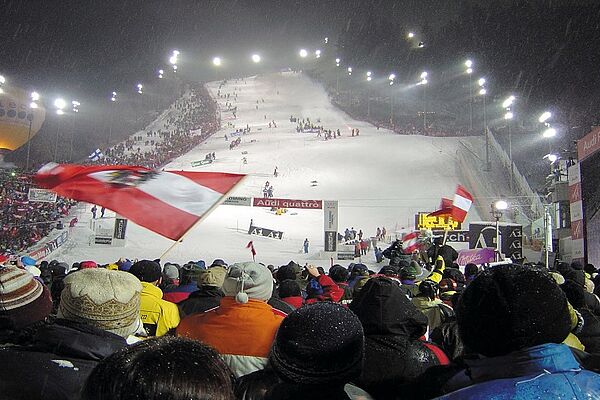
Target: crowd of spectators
23,222
419,328
187,123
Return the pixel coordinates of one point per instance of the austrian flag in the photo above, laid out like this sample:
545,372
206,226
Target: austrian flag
461,204
166,202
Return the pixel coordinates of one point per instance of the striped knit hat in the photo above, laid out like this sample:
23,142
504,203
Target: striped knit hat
23,299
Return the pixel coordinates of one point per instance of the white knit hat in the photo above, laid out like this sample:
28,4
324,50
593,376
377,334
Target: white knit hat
248,280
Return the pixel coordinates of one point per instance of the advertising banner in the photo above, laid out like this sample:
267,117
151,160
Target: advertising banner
41,195
476,256
256,230
330,221
422,221
237,201
287,203
483,234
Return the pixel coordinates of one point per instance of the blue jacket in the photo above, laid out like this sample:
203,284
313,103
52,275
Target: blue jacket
547,371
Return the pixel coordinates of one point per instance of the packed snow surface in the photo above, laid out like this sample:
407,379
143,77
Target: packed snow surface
379,178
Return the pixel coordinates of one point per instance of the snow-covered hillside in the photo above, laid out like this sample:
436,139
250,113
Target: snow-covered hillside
379,178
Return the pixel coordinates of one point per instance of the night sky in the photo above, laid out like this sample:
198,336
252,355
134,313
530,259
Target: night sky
89,45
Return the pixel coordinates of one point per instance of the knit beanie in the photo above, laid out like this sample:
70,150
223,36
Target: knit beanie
289,288
109,300
124,265
248,280
88,265
214,276
171,271
319,344
146,270
511,307
338,273
284,273
23,299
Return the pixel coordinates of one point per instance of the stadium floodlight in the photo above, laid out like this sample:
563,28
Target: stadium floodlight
411,35
113,97
501,205
255,58
175,53
552,157
75,105
482,91
469,71
318,53
546,115
508,115
60,104
35,96
303,53
2,80
33,105
481,82
173,60
469,63
548,133
60,112
392,77
508,102
337,61
216,61
139,88
174,67
424,75
326,40
421,45
349,70
369,73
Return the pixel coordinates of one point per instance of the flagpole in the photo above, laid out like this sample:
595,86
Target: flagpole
206,214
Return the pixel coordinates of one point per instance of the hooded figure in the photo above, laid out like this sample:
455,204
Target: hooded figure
394,351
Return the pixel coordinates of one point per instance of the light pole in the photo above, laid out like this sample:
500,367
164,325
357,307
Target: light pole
508,117
337,75
469,71
391,78
75,109
113,100
423,83
32,106
60,104
483,94
497,209
369,94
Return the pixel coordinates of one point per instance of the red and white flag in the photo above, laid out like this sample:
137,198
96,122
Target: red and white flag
166,202
444,210
250,246
411,242
461,204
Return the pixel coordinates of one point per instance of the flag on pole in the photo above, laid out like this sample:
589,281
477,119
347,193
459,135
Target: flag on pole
166,202
461,204
411,242
96,155
250,246
444,210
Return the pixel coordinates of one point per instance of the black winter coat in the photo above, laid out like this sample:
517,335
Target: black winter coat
56,362
394,353
202,300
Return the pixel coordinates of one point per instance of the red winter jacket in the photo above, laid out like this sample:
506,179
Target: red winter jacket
294,301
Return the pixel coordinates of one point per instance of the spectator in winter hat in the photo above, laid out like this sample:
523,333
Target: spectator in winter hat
98,310
161,368
504,315
340,276
218,263
124,264
159,316
429,303
321,287
24,301
394,351
319,348
471,271
242,329
190,273
88,264
170,277
290,292
209,293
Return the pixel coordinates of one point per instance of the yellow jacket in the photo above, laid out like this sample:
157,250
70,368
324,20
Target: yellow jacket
159,316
